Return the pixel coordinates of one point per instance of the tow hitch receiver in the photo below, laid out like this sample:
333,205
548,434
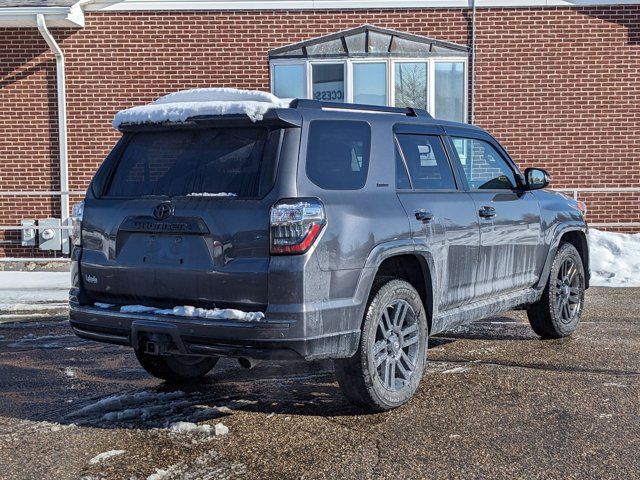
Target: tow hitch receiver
156,338
156,343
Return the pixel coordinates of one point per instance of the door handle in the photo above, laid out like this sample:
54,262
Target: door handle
423,216
487,212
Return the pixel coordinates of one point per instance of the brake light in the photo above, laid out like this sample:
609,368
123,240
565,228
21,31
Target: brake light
76,223
295,225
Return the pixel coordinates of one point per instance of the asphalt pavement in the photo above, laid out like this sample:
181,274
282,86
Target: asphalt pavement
496,402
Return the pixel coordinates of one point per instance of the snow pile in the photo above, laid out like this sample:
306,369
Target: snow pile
105,456
614,259
207,194
104,305
180,106
189,311
140,405
189,427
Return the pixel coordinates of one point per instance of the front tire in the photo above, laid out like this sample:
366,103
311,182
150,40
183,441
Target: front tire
176,368
557,314
387,368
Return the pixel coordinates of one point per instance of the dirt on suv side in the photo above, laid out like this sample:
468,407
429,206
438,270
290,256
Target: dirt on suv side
318,231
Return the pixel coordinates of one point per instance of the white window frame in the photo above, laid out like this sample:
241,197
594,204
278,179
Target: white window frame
390,77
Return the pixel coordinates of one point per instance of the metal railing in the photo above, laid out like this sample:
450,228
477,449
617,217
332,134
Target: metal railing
575,192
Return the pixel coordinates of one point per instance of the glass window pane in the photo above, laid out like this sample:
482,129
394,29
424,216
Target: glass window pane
356,43
411,84
379,42
401,46
370,83
338,154
328,82
332,47
289,81
483,166
449,101
183,162
427,162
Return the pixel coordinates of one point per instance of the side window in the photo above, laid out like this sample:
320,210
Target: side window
483,166
338,154
427,162
402,177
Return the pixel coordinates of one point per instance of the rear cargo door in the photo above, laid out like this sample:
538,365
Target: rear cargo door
182,218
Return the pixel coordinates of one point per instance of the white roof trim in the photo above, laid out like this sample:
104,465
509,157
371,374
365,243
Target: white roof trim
13,17
124,5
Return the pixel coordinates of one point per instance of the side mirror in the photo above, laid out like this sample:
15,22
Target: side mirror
536,178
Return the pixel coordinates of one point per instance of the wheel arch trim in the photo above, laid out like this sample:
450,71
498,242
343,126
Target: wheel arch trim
558,233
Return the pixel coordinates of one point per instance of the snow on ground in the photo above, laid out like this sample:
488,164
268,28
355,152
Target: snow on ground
614,258
179,106
188,311
190,427
30,291
105,456
45,342
175,410
140,405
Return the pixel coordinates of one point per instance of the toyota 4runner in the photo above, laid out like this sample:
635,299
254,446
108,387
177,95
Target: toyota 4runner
320,230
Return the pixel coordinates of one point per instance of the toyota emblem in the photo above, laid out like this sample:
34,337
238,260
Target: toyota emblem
163,211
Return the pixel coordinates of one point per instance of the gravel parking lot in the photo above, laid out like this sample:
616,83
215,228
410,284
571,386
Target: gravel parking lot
496,402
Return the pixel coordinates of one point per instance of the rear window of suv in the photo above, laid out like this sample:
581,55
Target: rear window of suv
205,161
338,154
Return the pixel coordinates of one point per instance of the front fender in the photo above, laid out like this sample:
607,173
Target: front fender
556,235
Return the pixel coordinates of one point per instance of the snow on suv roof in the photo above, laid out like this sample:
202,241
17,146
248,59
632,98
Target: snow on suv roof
180,106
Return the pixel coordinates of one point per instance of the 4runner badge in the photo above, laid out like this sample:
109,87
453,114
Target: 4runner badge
163,211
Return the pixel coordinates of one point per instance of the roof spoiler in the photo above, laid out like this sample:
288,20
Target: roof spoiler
276,117
315,104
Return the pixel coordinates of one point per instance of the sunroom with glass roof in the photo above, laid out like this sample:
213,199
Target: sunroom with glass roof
377,66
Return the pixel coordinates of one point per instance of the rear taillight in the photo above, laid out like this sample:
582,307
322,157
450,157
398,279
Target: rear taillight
76,223
295,225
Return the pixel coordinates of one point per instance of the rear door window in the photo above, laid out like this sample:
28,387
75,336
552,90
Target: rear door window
338,154
427,162
236,161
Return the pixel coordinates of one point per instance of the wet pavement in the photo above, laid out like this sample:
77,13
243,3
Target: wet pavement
496,402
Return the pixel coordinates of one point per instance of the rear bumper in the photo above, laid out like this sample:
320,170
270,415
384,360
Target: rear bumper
266,340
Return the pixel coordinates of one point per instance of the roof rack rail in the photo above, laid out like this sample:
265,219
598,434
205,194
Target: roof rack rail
315,104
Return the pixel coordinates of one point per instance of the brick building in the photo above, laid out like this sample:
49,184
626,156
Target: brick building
556,81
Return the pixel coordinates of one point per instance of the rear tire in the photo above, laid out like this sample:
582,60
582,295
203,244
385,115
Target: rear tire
387,368
557,313
176,368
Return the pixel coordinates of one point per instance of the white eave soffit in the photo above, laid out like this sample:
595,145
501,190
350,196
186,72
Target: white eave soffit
118,5
56,17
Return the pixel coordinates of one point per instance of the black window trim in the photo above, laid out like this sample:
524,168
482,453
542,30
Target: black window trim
454,173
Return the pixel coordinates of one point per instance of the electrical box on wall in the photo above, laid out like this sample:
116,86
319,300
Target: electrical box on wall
28,232
49,234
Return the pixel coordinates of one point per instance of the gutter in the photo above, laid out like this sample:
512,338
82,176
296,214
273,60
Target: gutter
62,124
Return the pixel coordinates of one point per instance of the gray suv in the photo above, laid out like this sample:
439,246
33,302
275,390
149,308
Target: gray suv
323,230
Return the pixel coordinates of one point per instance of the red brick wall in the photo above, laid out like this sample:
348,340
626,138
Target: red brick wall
557,86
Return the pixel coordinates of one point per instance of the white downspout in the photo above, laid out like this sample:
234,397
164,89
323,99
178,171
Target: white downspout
62,127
